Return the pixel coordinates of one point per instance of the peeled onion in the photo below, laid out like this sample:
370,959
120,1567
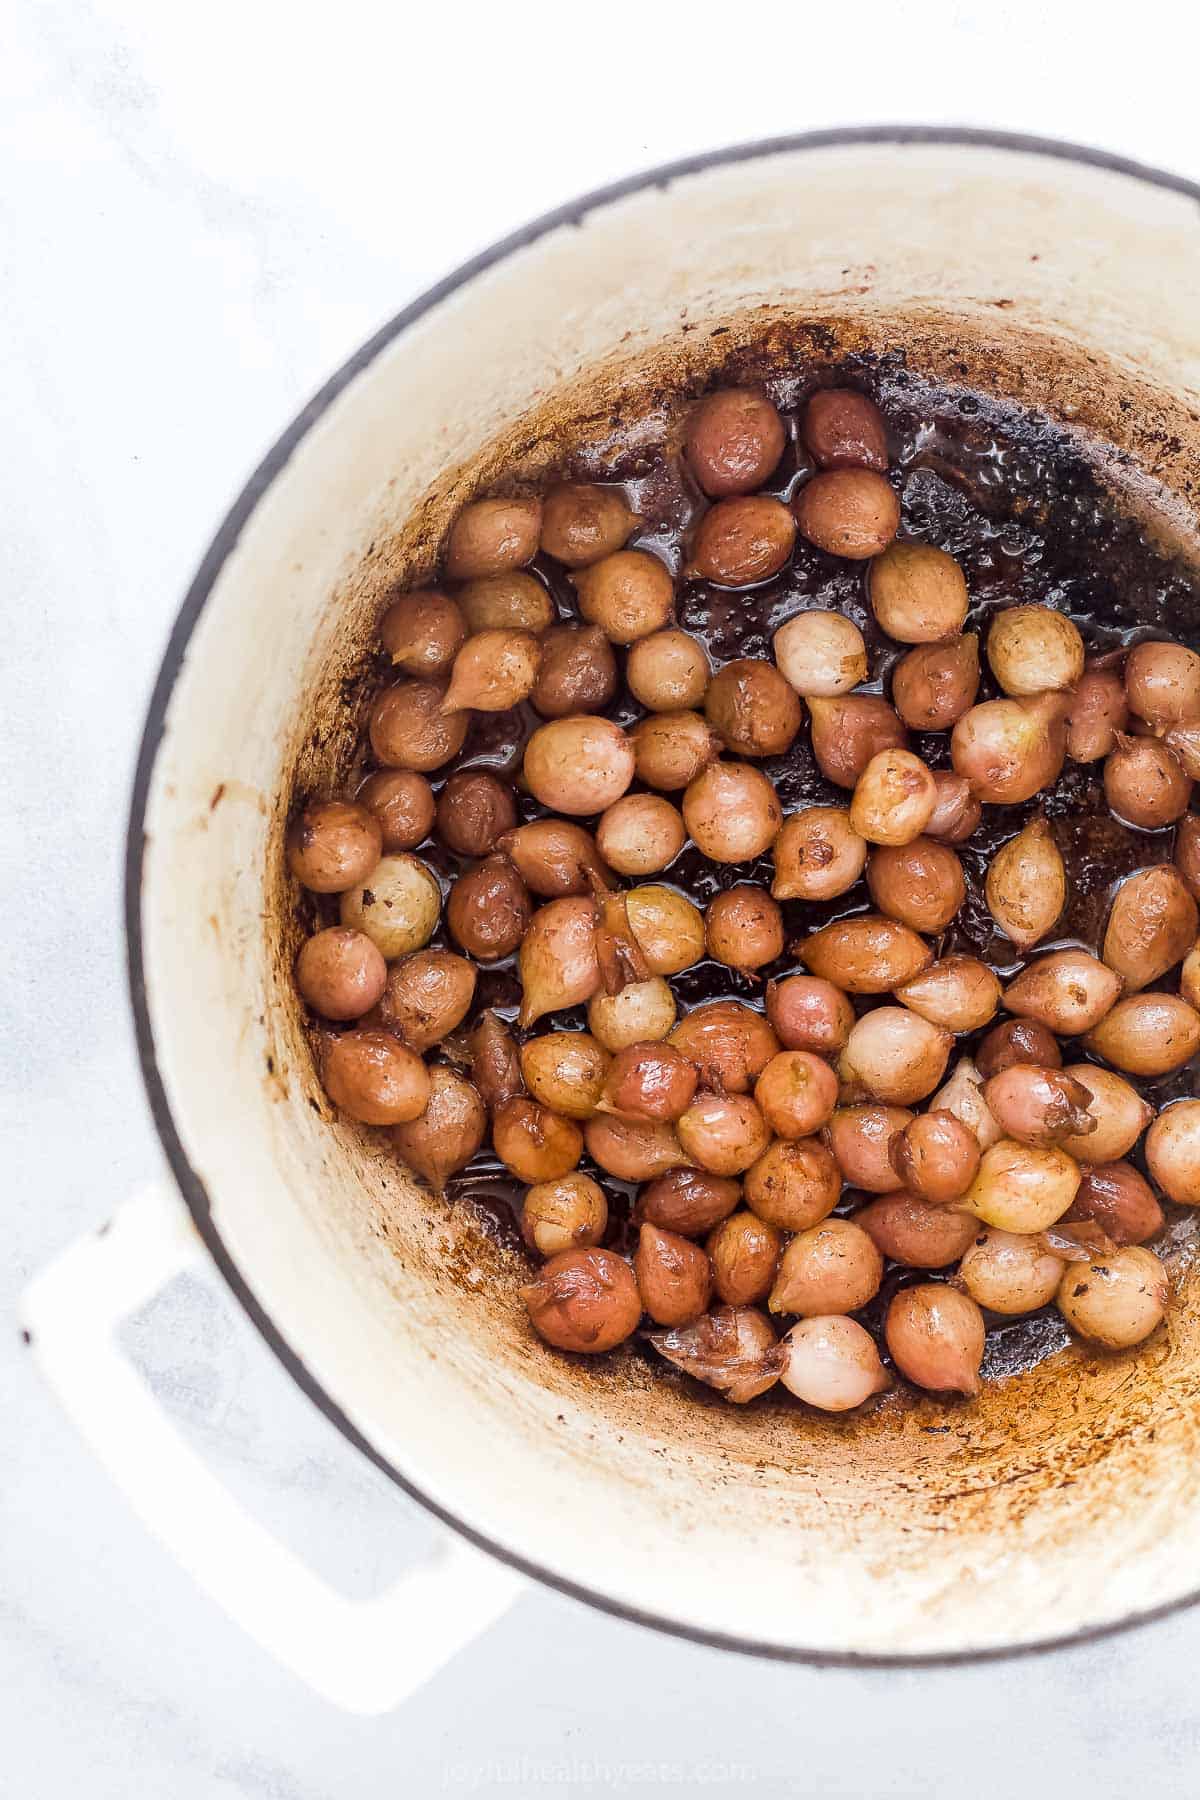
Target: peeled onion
866,954
1152,926
893,798
959,993
397,906
936,1337
1068,992
1039,1106
557,962
818,855
733,1349
833,1267
643,1011
895,1055
832,1363
1147,1034
860,1139
821,653
1010,1274
1022,1188
1117,1299
963,1096
1009,750
1173,1152
1033,649
1118,1112
1026,887
668,929
723,1133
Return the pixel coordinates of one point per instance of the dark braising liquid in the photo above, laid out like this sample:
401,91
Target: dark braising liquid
1009,494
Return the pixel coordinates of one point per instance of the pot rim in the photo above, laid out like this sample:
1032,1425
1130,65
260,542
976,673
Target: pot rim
223,542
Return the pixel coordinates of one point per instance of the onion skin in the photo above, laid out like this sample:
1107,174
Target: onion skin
916,1232
832,1363
1173,1152
584,1300
555,859
865,955
495,1062
1152,926
832,1268
744,1251
860,1139
558,963
894,1055
956,809
1039,1106
1147,1034
963,1096
1010,1274
848,731
959,993
1119,1112
1115,1300
1069,992
936,1337
1026,887
1009,750
1115,1197
674,1277
1187,853
732,1349
1020,1188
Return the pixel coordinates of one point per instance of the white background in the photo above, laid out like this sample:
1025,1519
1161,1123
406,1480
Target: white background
203,210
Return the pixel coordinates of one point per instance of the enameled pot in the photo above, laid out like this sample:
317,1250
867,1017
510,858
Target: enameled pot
1066,1500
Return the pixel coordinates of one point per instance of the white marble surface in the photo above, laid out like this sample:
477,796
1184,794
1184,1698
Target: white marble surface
204,210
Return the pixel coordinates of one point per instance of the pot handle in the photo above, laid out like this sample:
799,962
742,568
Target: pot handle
364,1656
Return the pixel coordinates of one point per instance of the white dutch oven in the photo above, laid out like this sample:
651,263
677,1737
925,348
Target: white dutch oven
1066,1501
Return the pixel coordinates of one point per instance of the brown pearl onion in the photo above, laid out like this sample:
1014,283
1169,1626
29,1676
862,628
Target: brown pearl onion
1009,750
734,440
643,1012
963,1096
848,512
1026,886
1162,683
586,1301
493,672
894,1055
793,1186
533,1143
397,907
956,812
1151,927
555,859
690,1202
374,1078
582,522
474,811
1022,1187
729,1044
743,928
495,1062
340,973
1038,1106
675,1278
1117,1299
849,730
1173,1152
1147,1034
915,1232
641,834
333,845
935,684
917,593
491,536
809,1014
578,765
423,632
818,855
1183,741
732,1349
409,730
557,963
842,429
667,671
744,1253
1034,650
570,1213
821,653
1118,1199
1009,1274
732,812
512,602
796,1093
1068,992
628,595
633,1149
936,1156
648,1081
671,748
723,1133
832,1363
1119,1114
867,954
831,1268
402,801
936,1336
565,1070
893,799
742,540
1098,712
447,1134
488,910
752,709
921,883
1187,853
1017,1041
1143,783
959,993
425,996
859,1138
577,673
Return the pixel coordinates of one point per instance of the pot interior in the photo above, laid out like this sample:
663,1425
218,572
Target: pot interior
1063,1497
